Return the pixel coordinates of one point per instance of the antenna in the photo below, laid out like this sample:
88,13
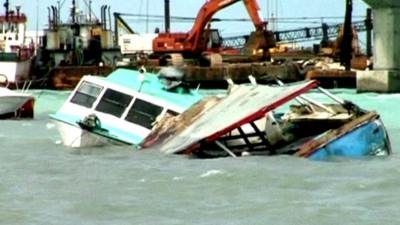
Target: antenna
147,16
37,26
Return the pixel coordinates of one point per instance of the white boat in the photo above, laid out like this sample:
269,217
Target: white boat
16,50
14,104
119,109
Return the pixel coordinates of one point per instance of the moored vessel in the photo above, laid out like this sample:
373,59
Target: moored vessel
16,50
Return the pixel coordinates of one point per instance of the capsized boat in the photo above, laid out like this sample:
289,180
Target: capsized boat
270,120
121,108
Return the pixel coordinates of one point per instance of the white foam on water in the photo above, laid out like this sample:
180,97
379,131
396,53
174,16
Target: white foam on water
177,178
212,173
50,126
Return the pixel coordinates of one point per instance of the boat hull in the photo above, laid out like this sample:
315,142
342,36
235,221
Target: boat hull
369,139
16,105
75,137
16,72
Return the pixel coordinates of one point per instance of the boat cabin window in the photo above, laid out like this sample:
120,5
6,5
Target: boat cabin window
86,94
172,113
113,102
143,113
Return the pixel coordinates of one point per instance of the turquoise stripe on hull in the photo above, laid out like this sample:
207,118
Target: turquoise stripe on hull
112,132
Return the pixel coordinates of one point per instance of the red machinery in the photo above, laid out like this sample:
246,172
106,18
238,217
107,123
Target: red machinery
196,41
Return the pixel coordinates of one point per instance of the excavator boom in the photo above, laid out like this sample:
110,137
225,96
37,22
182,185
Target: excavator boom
254,11
196,40
204,17
213,6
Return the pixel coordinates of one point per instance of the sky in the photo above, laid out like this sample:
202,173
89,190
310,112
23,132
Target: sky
296,12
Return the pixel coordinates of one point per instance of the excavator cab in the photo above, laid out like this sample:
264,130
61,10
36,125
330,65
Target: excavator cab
214,39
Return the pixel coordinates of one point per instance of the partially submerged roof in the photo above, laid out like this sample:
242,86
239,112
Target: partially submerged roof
149,83
243,105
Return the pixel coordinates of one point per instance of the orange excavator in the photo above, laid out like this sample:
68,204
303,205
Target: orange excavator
196,42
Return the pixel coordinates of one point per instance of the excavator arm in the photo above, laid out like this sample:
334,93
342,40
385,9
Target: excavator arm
213,6
254,11
204,17
195,41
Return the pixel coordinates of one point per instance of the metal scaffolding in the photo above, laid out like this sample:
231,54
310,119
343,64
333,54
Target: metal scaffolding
298,35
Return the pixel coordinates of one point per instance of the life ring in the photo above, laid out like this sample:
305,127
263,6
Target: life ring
4,80
142,70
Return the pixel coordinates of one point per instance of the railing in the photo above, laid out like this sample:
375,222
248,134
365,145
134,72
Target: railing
299,35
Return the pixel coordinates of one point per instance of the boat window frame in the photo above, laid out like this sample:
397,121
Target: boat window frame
171,112
120,114
95,98
150,125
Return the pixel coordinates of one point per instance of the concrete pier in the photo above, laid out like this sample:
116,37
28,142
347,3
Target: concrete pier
386,74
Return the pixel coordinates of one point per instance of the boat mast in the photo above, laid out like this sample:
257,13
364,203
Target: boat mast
73,11
346,45
37,27
6,6
167,16
147,16
90,11
272,14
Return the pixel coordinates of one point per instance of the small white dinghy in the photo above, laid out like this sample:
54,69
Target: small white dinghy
15,104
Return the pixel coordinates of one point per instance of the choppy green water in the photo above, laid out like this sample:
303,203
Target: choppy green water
42,182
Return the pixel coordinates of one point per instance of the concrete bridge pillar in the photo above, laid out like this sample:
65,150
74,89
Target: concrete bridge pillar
386,58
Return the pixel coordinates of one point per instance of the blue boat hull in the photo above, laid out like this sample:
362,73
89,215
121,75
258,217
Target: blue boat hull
368,139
